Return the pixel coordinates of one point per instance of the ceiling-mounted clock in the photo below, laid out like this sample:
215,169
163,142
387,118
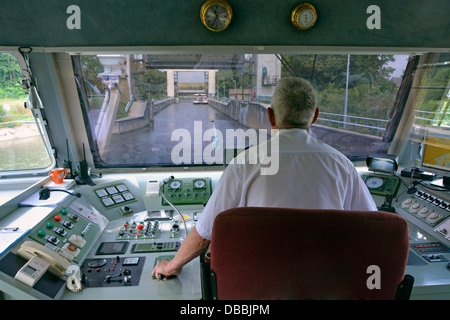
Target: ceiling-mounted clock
216,14
304,16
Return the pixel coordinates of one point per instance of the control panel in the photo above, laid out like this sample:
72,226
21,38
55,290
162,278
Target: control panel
68,228
432,214
114,194
186,191
112,272
426,207
112,248
381,184
109,237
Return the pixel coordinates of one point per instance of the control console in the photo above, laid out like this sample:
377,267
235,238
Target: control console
112,272
185,191
426,207
68,228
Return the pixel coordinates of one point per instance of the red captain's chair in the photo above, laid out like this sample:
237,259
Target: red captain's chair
280,253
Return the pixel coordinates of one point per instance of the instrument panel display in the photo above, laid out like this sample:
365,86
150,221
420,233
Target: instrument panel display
381,184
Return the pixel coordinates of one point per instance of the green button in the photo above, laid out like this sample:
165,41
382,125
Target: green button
49,225
64,211
41,233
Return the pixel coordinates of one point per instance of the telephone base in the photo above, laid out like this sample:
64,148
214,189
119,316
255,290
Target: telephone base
49,285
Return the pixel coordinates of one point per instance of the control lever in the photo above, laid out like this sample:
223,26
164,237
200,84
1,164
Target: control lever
387,205
108,278
127,278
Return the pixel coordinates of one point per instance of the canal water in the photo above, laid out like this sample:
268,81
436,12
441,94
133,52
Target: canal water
23,153
153,145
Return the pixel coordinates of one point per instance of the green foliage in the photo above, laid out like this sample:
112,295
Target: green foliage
370,89
10,77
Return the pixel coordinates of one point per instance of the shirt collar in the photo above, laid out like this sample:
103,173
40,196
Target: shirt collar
294,131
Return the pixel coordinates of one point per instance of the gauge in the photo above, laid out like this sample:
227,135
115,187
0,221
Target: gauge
199,184
97,263
304,16
374,182
175,184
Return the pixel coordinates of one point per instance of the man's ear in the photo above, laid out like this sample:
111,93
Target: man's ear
316,115
271,116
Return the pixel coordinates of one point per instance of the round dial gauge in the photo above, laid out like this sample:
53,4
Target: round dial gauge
374,182
199,184
175,184
216,14
304,16
97,263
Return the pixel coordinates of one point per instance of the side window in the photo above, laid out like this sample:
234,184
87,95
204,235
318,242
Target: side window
23,141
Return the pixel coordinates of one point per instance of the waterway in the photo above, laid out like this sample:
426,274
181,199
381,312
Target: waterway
23,153
183,122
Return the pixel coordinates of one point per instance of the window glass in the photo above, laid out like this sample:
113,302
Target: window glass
429,136
176,109
356,95
21,144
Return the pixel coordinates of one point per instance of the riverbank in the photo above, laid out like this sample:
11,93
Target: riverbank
18,132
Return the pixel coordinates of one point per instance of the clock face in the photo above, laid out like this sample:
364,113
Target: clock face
216,14
306,18
217,17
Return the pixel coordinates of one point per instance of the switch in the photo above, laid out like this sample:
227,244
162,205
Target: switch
77,240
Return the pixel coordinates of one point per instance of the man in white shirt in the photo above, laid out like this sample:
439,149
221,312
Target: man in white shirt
309,173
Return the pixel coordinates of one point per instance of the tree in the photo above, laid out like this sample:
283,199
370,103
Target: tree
370,89
10,77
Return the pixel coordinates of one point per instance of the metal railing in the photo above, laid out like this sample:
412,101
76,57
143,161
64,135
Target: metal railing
353,123
429,118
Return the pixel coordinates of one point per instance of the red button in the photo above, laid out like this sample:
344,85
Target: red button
57,218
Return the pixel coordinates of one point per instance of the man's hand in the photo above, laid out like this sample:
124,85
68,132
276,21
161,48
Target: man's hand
164,269
191,248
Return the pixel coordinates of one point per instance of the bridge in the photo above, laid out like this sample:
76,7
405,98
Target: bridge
258,72
191,91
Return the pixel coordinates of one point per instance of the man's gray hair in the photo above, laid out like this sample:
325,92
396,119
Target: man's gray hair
294,102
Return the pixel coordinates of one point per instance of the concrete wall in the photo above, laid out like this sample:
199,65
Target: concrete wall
254,115
249,114
141,115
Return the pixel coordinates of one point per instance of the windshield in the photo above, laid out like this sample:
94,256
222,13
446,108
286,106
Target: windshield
176,109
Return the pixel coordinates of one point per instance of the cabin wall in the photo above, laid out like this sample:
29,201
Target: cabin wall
403,23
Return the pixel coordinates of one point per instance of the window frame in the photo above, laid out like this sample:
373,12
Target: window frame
42,126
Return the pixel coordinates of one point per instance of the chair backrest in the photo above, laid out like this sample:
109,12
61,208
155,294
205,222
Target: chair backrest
280,253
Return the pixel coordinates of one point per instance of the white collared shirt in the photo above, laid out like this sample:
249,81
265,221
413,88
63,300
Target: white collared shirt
310,175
